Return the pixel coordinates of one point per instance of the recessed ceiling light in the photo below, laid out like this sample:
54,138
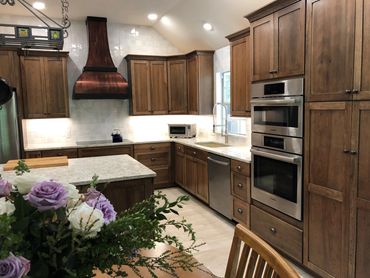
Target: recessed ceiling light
134,32
165,20
38,5
152,16
208,26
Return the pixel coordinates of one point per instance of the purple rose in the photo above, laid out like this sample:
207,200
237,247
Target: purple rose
47,195
5,188
97,200
14,267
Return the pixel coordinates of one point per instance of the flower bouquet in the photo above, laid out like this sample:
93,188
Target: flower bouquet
50,229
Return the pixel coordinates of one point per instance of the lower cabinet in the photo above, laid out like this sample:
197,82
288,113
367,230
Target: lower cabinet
103,151
241,191
70,153
196,173
179,164
158,158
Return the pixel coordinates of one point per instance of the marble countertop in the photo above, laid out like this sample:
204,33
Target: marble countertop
241,153
81,170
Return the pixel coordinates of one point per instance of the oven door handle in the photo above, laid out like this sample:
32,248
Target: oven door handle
293,159
274,101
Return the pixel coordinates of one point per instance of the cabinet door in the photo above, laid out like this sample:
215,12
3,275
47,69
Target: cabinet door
289,36
202,180
158,87
192,68
56,91
179,168
140,87
363,50
361,136
330,49
262,47
240,77
327,184
33,85
190,173
177,87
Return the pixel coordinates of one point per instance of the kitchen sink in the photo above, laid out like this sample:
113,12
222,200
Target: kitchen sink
211,144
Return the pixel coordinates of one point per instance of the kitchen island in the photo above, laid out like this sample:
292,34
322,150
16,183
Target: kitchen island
128,180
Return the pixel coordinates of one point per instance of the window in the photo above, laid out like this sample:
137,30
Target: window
236,126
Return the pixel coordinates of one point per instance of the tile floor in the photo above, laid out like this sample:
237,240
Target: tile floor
211,228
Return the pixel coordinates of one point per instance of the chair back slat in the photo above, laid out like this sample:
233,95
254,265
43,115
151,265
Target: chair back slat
256,259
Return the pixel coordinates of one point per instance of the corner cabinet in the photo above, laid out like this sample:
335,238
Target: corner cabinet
240,73
278,40
44,84
177,86
200,82
148,83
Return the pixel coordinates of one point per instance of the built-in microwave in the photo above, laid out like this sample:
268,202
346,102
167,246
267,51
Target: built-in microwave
182,130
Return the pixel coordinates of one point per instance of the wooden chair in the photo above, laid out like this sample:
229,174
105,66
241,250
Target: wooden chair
250,256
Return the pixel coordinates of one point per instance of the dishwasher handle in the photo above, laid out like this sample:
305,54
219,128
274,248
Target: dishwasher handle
218,162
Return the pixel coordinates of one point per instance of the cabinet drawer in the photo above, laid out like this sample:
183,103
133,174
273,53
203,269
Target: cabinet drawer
33,154
241,187
241,211
241,167
277,232
153,159
149,148
103,151
202,155
179,148
163,176
71,153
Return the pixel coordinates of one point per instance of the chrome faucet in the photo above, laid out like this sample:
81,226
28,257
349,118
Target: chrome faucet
224,126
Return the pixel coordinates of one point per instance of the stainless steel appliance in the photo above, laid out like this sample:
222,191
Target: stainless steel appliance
9,136
220,198
277,107
182,130
277,173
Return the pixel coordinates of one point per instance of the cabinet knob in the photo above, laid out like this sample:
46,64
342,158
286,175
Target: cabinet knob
59,154
273,71
346,151
240,185
152,148
353,152
194,153
240,210
239,167
153,159
355,91
273,230
348,91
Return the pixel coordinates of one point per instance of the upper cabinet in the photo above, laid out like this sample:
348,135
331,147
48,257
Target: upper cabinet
44,84
148,81
177,86
240,73
200,82
278,40
171,85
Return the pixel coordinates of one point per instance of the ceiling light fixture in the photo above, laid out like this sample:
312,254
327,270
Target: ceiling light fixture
152,16
39,5
165,20
207,26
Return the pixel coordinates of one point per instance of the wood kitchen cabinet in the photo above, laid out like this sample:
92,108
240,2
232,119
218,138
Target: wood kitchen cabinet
44,84
177,86
103,151
200,82
179,164
240,73
148,81
157,157
278,40
196,173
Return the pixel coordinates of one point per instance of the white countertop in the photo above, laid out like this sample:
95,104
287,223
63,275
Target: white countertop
241,153
81,170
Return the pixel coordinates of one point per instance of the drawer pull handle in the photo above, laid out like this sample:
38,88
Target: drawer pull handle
273,230
152,148
60,154
194,153
239,167
240,210
153,159
240,185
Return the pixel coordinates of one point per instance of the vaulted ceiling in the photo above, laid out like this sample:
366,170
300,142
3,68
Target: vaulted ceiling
185,18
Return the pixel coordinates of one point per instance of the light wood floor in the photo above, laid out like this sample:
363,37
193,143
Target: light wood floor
212,229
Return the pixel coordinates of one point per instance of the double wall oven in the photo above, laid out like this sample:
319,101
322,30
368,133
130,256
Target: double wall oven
277,145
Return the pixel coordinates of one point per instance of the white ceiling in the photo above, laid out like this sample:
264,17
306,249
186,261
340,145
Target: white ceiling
186,17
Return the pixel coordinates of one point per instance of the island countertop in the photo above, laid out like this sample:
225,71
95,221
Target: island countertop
81,170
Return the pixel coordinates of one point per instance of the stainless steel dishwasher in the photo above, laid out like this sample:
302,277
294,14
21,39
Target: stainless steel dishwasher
220,198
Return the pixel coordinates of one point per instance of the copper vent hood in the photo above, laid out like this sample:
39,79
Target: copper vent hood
100,79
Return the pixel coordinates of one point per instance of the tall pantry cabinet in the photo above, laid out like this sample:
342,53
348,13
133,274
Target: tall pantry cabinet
337,152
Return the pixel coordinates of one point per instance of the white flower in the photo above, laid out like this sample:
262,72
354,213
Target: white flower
73,195
6,207
25,182
86,220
